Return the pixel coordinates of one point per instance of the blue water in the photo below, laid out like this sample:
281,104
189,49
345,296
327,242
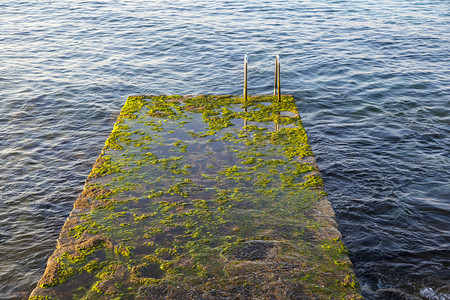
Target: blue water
371,79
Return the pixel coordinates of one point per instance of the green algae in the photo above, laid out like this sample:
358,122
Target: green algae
105,166
203,194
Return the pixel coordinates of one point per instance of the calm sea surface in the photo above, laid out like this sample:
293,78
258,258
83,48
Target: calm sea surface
371,79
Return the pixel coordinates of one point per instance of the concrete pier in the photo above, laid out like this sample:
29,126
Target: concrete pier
202,197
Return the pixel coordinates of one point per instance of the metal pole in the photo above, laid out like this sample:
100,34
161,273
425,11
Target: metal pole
276,76
279,77
277,87
245,77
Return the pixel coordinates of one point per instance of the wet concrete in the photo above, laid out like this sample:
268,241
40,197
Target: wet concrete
202,197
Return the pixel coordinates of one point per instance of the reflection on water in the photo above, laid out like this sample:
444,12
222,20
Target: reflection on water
370,79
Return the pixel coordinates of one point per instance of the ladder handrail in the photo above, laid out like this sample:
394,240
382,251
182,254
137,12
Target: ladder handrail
245,76
277,85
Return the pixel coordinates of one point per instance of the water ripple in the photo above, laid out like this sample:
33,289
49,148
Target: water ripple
371,79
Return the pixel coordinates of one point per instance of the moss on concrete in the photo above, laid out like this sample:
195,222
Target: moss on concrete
202,197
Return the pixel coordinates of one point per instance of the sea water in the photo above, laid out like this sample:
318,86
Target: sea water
371,79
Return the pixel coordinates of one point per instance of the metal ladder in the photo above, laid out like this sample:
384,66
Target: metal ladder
277,85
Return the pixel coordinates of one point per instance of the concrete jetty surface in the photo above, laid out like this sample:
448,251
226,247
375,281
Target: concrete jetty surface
202,197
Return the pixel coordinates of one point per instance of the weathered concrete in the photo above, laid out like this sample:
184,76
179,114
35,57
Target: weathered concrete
202,198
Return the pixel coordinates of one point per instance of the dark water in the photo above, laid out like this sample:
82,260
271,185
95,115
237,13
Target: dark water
371,78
